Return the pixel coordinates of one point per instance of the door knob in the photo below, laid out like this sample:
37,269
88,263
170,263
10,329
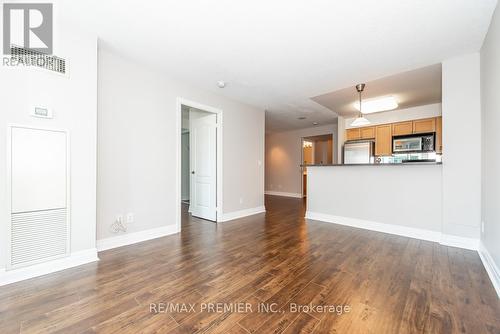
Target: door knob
192,172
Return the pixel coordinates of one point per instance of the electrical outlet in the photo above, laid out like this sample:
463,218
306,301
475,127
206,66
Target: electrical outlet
117,226
241,200
130,218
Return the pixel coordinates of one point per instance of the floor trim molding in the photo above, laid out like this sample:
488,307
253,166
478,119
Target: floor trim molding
73,260
281,193
405,231
491,267
240,214
135,237
459,242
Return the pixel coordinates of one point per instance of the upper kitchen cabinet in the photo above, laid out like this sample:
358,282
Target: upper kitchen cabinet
427,125
360,133
383,140
353,134
368,132
402,128
384,133
439,134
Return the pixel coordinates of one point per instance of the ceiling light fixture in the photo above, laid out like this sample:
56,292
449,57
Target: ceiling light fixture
377,104
221,84
315,123
360,120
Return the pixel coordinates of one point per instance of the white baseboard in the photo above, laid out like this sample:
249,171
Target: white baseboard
405,231
240,214
135,237
459,242
411,232
491,267
285,194
73,260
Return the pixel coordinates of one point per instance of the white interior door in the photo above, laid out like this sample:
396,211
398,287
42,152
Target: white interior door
204,167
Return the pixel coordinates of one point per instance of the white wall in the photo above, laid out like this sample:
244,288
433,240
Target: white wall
490,103
73,100
283,157
401,115
408,195
461,146
136,154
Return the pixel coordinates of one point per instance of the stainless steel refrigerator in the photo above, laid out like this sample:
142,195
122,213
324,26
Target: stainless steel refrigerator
359,152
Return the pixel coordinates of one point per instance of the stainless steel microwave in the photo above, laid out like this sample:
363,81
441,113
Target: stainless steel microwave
413,143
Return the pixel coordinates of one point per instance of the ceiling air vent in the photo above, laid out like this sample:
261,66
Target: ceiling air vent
30,57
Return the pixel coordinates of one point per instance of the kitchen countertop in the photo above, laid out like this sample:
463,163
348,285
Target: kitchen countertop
395,164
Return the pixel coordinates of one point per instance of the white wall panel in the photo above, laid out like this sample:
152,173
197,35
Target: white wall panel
38,169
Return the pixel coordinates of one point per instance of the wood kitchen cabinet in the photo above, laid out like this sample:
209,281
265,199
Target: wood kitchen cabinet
353,134
427,125
402,128
383,139
360,133
383,133
368,132
439,134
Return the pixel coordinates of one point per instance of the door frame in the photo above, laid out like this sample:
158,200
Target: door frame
178,186
304,138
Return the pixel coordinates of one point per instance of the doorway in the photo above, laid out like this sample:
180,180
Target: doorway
199,160
316,150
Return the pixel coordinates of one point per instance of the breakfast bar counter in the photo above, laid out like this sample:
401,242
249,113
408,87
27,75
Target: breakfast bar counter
403,199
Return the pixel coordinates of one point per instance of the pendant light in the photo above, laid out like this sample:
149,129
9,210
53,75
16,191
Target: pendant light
360,120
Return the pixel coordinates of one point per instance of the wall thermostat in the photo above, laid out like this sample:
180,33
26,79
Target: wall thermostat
41,112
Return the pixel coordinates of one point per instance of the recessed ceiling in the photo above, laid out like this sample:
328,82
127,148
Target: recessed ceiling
411,89
277,54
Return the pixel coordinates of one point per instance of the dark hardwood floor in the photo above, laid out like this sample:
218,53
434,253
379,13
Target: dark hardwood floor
375,283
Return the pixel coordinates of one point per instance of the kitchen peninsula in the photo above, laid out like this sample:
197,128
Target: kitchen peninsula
383,189
403,199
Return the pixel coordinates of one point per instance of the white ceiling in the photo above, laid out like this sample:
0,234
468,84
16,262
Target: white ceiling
276,55
410,89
